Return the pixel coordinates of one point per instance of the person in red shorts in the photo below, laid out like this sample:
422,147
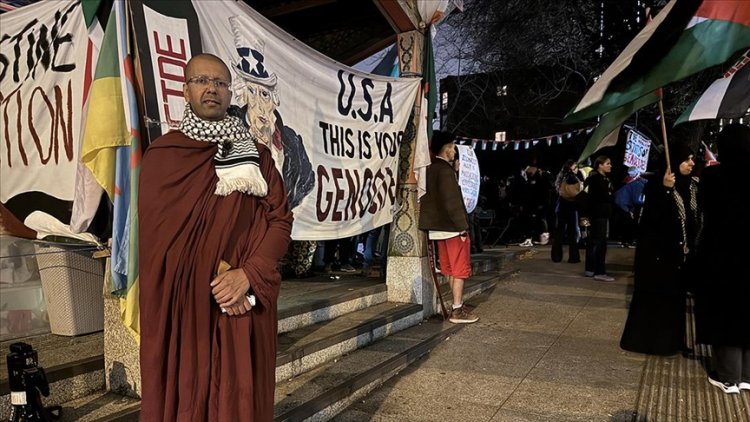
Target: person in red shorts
443,214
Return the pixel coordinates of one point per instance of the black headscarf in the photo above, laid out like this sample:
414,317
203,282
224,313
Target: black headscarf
678,152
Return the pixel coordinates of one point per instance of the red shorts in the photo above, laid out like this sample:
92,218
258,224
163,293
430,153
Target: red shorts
455,256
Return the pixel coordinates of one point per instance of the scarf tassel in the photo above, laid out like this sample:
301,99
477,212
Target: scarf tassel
233,179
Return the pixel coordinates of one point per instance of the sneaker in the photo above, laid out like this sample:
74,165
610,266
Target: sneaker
527,243
348,268
743,385
603,277
462,316
588,273
726,387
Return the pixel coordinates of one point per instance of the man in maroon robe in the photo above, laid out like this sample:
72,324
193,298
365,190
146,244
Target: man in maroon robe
209,193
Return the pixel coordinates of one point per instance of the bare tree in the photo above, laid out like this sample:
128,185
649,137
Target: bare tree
555,48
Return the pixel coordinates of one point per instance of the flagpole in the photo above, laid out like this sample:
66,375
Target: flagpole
664,134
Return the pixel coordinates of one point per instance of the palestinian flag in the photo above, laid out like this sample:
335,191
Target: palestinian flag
717,30
608,130
426,115
709,156
728,97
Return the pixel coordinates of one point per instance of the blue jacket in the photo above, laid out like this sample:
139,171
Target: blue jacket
630,195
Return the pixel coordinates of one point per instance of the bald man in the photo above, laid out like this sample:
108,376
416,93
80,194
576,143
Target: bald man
214,222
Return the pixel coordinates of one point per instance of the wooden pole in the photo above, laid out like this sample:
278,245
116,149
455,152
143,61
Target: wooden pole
431,255
664,134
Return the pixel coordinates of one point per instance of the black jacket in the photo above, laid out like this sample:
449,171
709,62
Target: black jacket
599,197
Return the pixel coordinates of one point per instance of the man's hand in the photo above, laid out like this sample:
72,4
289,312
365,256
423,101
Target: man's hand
229,289
240,308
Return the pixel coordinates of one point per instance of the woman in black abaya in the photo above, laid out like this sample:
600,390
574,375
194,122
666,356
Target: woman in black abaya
668,230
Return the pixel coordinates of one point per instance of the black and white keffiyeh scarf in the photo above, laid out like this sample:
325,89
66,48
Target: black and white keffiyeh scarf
691,221
237,161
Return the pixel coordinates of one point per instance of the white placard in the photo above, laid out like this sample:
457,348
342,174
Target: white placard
636,150
468,176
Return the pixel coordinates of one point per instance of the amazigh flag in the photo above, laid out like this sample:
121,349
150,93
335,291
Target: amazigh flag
728,97
717,30
128,165
111,151
105,127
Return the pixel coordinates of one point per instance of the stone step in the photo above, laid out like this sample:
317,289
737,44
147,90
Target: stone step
74,366
310,301
325,391
336,378
306,348
101,406
309,347
320,319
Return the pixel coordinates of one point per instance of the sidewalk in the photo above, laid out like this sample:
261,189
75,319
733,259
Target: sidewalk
546,349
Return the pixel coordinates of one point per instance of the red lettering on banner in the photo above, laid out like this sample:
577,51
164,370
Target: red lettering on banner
169,51
367,196
168,56
338,174
162,60
366,192
322,214
67,128
6,101
32,129
351,205
59,123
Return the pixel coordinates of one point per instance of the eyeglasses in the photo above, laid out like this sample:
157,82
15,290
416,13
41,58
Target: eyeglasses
203,81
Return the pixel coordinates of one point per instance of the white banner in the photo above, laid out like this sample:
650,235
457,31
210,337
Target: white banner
42,66
334,132
636,151
468,176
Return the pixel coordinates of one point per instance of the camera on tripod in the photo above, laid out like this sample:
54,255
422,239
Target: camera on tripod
28,383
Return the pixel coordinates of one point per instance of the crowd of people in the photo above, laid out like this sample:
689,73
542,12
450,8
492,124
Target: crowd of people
692,241
685,222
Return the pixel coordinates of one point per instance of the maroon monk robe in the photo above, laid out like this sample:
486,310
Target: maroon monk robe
198,364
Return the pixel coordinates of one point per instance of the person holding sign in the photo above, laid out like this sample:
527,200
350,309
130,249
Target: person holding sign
214,223
443,214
